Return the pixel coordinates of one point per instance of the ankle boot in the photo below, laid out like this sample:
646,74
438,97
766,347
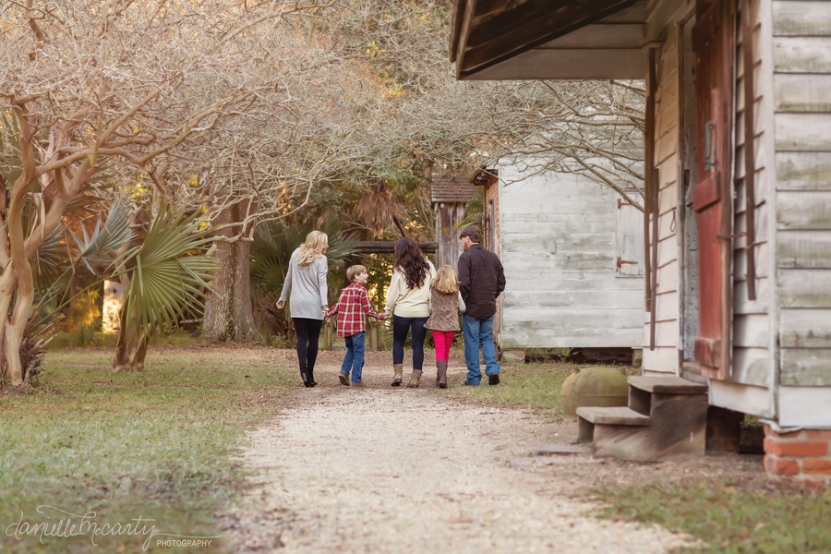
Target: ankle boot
399,375
441,374
415,378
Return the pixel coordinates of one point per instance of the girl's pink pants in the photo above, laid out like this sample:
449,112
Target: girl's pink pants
443,340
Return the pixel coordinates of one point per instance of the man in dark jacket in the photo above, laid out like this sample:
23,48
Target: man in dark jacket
481,280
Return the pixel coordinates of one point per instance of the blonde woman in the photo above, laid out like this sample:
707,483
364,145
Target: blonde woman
306,278
445,306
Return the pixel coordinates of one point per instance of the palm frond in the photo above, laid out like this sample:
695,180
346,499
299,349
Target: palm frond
169,273
274,243
106,238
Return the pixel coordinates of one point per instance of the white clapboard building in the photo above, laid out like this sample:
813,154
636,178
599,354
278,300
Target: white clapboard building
572,250
738,185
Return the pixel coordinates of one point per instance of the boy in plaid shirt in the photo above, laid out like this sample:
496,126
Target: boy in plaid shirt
352,309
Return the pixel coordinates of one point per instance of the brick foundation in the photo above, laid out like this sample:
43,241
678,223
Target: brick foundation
802,456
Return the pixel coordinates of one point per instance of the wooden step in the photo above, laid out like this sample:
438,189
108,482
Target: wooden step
670,384
612,416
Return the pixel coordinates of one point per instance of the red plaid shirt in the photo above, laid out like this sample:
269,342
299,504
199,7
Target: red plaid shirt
352,309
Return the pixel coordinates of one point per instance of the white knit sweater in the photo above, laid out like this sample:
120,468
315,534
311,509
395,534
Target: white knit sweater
406,302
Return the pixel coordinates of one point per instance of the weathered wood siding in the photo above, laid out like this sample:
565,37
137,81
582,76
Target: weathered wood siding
558,247
802,80
752,361
665,356
448,216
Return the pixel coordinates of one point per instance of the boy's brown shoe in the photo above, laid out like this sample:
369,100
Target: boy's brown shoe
343,378
360,385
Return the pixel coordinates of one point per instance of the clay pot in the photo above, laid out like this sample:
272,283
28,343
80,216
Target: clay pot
594,386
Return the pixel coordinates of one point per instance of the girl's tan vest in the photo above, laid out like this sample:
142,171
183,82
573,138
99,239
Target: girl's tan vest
445,314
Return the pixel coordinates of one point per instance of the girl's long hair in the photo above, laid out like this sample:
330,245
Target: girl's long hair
410,261
316,241
446,281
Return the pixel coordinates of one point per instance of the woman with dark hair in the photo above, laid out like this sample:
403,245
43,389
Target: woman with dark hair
408,299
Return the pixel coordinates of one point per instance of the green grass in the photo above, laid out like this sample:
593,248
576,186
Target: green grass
87,339
725,518
531,386
154,444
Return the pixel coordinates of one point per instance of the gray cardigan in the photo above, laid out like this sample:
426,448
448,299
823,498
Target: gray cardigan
309,291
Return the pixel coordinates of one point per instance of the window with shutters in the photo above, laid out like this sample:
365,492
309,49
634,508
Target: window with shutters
629,238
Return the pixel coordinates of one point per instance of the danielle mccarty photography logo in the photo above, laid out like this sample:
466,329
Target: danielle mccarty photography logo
60,524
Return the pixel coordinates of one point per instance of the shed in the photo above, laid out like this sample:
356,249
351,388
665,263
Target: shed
738,153
449,197
572,251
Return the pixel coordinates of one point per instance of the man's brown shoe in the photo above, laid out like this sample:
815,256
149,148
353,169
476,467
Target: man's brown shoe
343,378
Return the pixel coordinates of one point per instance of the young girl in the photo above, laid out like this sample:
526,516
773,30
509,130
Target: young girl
445,306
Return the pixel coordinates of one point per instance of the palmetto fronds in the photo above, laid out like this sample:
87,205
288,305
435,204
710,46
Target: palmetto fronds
106,238
168,272
274,243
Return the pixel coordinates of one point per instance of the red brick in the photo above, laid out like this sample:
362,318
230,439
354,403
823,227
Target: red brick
769,432
819,434
816,467
776,466
819,484
797,449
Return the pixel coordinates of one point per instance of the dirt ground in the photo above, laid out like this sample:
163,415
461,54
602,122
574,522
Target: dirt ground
385,469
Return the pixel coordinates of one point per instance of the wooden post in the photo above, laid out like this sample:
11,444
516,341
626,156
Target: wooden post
327,335
749,153
373,335
651,200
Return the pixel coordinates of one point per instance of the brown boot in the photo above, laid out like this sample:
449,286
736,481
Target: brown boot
399,375
415,378
441,374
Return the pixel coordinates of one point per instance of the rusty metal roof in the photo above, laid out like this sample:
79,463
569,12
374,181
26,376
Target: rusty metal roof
452,189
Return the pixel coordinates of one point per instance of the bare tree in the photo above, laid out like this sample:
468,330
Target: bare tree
241,110
127,90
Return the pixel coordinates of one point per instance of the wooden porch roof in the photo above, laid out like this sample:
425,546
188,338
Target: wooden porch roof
545,39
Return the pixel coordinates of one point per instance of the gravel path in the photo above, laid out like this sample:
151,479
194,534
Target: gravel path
403,470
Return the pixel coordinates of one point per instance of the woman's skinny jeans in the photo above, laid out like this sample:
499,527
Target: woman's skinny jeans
400,327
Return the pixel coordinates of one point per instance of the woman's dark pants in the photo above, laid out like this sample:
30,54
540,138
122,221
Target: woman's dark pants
308,333
400,327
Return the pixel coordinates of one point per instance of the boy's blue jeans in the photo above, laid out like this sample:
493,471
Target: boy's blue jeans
479,332
354,359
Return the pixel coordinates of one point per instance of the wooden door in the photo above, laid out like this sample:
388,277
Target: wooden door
714,46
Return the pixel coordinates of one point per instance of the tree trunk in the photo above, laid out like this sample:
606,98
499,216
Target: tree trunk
228,310
126,337
141,352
